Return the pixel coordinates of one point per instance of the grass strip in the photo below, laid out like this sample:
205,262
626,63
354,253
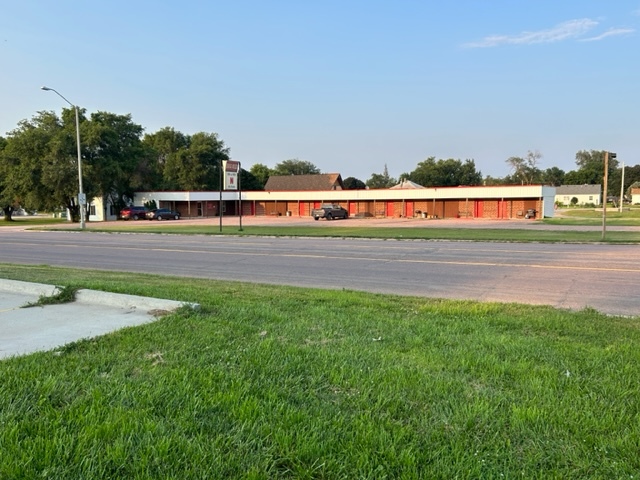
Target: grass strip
399,233
284,382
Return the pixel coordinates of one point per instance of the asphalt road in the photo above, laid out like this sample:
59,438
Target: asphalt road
604,277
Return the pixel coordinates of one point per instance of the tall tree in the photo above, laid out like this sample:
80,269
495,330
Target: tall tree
162,147
525,170
591,168
553,176
198,166
295,166
113,151
381,180
41,163
261,173
445,173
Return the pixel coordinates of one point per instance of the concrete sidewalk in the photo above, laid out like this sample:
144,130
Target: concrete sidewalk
94,313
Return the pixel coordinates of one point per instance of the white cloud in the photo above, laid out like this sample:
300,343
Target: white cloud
562,31
609,33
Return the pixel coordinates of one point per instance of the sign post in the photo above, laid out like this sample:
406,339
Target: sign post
232,182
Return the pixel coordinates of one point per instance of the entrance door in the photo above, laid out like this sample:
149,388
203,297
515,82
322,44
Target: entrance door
409,208
478,208
389,211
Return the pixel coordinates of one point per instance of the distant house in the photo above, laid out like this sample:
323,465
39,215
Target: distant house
585,194
635,196
318,182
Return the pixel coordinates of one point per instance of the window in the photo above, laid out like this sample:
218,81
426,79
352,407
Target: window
92,209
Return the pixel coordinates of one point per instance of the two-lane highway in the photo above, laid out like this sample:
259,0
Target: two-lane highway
604,277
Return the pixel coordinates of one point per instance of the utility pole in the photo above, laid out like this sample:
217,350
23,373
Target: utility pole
607,155
622,188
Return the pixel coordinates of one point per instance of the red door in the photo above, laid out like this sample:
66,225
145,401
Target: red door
389,212
478,208
409,210
502,209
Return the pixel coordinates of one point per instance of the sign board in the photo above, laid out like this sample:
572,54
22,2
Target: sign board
82,198
231,171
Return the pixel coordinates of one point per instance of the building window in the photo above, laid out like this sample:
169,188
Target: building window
591,197
92,209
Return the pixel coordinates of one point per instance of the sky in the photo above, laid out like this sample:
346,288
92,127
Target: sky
348,85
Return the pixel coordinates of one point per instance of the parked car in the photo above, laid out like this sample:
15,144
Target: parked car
133,213
163,214
329,211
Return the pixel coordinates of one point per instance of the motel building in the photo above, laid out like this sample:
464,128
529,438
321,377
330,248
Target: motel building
297,195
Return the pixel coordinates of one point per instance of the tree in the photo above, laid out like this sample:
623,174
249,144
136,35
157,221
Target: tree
7,200
196,167
248,181
114,153
553,176
261,173
40,162
352,183
382,180
525,170
161,147
445,173
295,167
591,168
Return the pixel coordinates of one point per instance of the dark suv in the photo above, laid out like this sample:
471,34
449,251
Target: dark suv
133,213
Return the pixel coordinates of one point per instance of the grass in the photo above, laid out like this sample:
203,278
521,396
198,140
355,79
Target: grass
64,295
400,233
593,217
35,221
283,382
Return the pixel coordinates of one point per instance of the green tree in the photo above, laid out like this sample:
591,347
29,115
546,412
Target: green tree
591,168
381,180
40,162
161,147
553,176
248,181
261,173
7,200
295,167
352,183
114,153
196,167
445,173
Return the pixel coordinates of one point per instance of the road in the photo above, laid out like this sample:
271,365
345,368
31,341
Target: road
604,277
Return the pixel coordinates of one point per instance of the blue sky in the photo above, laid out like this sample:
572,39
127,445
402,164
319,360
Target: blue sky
347,85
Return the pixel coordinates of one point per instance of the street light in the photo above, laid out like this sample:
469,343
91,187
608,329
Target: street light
82,200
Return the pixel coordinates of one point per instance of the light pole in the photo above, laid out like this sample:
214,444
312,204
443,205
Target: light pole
82,200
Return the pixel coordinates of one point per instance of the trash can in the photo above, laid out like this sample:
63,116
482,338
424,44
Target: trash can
288,213
424,214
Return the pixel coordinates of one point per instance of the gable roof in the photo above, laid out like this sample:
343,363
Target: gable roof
406,185
578,190
320,181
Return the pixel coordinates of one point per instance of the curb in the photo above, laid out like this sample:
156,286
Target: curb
96,297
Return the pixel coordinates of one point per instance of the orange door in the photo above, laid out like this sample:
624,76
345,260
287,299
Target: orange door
389,212
478,208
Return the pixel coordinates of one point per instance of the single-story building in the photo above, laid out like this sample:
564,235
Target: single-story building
495,202
635,196
584,194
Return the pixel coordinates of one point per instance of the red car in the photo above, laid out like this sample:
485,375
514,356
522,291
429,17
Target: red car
133,213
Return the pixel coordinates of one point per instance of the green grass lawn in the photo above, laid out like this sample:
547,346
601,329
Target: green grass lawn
281,382
399,233
591,216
